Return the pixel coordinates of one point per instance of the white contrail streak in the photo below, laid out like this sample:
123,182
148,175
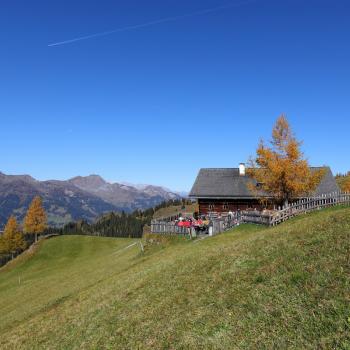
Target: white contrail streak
147,24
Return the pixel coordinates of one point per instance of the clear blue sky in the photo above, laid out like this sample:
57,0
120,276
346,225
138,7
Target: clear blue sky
154,104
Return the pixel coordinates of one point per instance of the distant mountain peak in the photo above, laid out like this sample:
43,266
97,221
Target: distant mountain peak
24,177
82,197
92,181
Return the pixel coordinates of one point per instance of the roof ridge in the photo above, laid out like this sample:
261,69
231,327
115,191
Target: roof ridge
236,168
224,182
219,168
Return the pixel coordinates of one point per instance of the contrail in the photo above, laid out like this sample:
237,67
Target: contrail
151,23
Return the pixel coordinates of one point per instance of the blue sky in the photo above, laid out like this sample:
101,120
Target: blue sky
156,103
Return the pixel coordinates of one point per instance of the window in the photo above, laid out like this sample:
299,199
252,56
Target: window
225,206
211,206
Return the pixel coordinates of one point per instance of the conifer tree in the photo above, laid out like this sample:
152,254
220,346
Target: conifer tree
280,169
12,239
35,221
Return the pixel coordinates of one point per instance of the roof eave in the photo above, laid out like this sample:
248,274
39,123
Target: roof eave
227,197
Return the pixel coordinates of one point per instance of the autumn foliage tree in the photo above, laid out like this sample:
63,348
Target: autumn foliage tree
35,221
344,182
12,240
346,185
280,168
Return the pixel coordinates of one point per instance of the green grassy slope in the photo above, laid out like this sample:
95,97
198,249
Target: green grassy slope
285,287
174,210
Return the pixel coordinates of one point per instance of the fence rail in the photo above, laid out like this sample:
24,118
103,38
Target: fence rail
164,227
255,217
216,226
269,218
309,204
302,206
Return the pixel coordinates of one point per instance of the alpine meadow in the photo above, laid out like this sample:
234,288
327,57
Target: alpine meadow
252,287
175,175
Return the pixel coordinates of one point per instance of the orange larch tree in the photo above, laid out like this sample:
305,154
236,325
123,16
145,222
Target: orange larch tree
12,239
35,221
280,169
346,185
343,182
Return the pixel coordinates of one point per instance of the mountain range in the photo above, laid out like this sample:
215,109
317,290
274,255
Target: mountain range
82,197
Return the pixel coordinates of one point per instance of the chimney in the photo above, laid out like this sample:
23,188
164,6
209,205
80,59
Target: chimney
241,169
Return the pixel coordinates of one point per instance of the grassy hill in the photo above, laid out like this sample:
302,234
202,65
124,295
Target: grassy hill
251,288
175,210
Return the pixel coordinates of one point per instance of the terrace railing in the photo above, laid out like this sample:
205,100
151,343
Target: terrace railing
306,205
217,225
164,227
269,218
255,217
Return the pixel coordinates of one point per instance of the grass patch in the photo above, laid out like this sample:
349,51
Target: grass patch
175,210
285,287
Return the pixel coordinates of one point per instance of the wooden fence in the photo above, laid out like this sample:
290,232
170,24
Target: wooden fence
255,217
164,227
302,206
309,204
269,218
216,226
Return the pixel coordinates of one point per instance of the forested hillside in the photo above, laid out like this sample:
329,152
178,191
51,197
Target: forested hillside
123,224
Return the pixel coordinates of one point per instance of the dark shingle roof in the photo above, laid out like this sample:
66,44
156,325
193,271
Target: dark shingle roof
327,184
227,183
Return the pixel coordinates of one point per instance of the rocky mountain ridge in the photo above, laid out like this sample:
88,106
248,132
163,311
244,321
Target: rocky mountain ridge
82,197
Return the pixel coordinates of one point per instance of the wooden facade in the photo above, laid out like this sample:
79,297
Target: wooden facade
209,205
220,190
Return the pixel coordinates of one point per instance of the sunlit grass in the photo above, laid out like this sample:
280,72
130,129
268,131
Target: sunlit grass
254,287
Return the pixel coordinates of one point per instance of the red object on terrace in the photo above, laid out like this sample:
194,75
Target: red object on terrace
187,224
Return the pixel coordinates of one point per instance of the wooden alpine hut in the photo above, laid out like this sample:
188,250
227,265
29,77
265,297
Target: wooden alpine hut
221,190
